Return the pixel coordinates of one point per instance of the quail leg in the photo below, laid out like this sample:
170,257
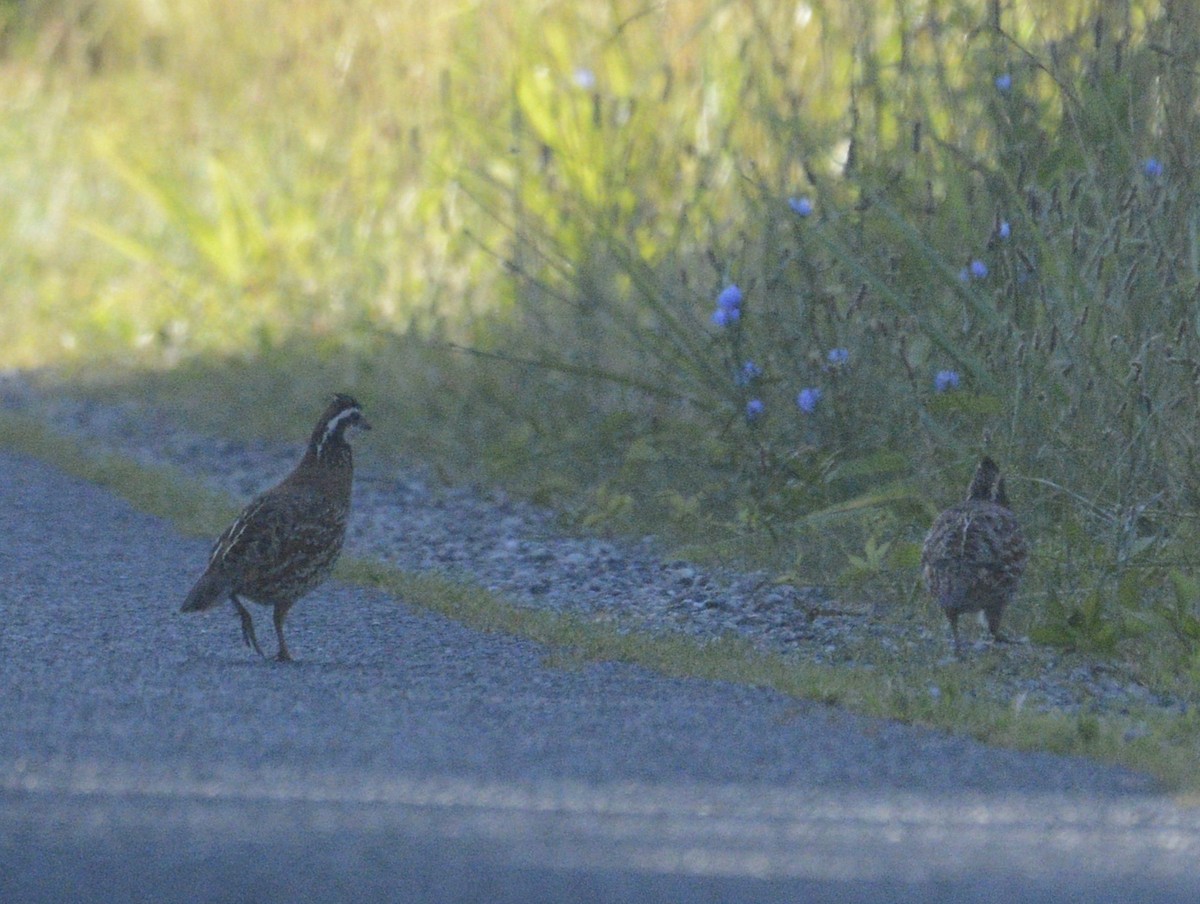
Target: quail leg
281,612
953,618
993,623
247,626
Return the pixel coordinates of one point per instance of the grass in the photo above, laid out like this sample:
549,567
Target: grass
164,492
1167,748
234,220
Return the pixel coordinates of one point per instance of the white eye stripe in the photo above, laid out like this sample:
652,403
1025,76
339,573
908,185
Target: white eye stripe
331,427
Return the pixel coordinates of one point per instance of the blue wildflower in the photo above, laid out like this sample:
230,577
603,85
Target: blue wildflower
730,297
838,356
748,374
1153,167
979,269
729,306
754,409
1004,230
584,78
1004,83
945,380
801,206
964,275
807,399
726,316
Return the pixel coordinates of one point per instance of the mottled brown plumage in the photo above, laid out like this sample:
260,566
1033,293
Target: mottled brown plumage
286,541
975,553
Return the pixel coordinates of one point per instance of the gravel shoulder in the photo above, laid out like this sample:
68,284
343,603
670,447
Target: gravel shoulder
406,518
148,755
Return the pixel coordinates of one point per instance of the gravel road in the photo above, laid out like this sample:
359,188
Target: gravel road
148,756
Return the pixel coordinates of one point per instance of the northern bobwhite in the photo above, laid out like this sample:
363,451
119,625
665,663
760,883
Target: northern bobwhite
975,553
286,541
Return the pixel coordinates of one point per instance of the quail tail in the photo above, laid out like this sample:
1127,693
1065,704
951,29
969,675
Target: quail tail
211,590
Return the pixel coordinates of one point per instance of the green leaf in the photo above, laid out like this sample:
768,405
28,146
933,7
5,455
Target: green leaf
1129,590
878,463
642,451
886,497
906,555
966,403
1187,589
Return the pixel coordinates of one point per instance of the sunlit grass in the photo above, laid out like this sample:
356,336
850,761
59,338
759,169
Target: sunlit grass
196,180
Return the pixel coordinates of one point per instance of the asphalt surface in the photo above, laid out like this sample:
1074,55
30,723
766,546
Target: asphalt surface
148,756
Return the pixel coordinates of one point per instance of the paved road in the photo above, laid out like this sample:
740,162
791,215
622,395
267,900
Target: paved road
146,755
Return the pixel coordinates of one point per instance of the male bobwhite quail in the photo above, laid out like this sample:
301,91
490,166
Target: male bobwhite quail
975,553
286,541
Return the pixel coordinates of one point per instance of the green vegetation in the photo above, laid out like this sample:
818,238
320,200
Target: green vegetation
952,227
162,492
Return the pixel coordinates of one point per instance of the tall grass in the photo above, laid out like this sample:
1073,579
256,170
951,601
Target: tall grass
954,226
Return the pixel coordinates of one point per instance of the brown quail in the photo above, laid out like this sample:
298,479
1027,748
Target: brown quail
286,541
975,553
